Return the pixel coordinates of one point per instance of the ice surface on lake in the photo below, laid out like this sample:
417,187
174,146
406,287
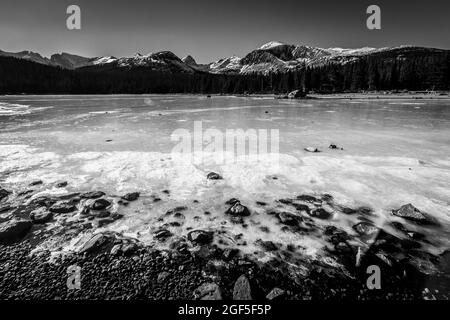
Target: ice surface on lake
393,153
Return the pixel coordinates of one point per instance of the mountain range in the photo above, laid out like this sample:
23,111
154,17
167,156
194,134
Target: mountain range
271,57
335,69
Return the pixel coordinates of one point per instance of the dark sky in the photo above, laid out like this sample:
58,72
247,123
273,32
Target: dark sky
211,29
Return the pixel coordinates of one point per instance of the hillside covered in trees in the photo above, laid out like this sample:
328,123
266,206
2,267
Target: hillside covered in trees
399,69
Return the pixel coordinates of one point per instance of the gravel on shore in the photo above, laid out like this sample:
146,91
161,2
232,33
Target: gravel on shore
112,266
153,275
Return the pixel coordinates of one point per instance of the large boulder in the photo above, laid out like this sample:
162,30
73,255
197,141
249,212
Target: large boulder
289,218
424,263
100,204
214,176
366,229
41,215
131,196
320,213
335,147
96,243
208,291
237,209
42,201
242,290
125,247
312,149
409,212
200,237
63,207
92,195
275,294
14,229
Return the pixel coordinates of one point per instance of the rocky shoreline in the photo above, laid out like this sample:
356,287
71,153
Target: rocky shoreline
196,266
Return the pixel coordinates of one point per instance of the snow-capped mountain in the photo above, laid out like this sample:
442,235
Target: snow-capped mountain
275,56
226,65
278,57
266,69
270,45
71,61
272,57
164,61
104,60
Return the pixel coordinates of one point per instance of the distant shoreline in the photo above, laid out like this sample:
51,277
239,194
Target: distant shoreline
382,95
386,95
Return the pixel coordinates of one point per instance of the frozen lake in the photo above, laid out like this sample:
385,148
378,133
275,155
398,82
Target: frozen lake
395,152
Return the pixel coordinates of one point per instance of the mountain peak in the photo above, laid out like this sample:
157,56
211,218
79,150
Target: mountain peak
137,55
27,55
271,44
189,60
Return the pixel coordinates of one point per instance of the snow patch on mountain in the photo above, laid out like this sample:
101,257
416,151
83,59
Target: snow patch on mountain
226,65
104,60
270,45
72,61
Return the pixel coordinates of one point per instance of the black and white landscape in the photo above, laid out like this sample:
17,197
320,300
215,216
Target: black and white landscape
273,68
117,180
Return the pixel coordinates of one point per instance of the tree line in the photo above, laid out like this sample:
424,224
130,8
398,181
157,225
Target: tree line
413,71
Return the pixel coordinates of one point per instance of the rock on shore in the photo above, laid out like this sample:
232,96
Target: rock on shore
242,290
237,209
209,262
14,229
409,212
41,215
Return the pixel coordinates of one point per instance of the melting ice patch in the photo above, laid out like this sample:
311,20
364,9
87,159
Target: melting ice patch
12,109
9,109
383,183
376,181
